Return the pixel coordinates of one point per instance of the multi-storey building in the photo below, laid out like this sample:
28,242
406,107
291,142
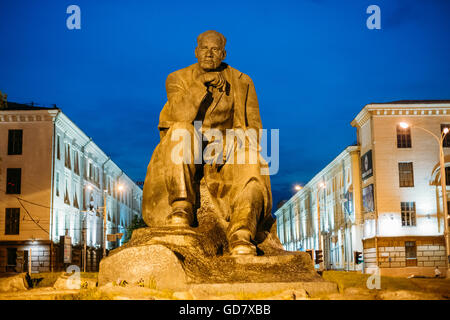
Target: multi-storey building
401,216
402,194
54,181
334,195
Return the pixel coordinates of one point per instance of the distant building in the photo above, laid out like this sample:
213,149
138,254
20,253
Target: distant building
335,193
397,202
53,182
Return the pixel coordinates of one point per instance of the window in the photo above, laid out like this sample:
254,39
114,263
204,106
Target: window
58,148
408,213
447,176
13,177
14,142
12,256
97,175
75,201
91,173
66,196
67,161
411,253
57,184
12,220
403,137
446,142
448,216
76,167
405,174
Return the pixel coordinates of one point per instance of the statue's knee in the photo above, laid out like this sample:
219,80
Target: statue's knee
252,193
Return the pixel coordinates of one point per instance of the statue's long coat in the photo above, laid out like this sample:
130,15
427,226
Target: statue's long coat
183,96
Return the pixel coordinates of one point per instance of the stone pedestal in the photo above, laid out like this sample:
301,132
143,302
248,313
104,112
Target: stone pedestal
179,259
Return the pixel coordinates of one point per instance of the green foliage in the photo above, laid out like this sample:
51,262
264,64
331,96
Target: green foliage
137,223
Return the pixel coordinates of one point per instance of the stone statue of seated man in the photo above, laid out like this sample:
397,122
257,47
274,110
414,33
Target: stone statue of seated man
209,124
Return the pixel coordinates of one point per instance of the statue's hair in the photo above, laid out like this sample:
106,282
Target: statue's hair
212,32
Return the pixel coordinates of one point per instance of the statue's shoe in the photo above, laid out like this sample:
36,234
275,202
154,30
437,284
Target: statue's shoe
243,248
179,218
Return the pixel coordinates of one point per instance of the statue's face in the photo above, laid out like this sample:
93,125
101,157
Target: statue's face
210,53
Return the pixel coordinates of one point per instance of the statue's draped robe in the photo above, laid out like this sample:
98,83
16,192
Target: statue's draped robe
236,107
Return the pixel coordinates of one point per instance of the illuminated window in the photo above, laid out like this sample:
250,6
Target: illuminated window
411,253
14,142
91,173
13,179
405,174
447,176
75,201
67,161
448,216
408,213
57,184
66,196
12,220
76,167
403,137
58,148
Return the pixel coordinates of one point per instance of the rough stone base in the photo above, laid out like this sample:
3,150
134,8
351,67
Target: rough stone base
300,289
17,282
179,259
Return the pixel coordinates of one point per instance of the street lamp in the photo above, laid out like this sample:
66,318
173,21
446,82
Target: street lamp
320,186
298,187
440,141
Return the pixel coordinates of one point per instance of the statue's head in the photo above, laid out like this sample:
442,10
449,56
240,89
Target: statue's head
210,51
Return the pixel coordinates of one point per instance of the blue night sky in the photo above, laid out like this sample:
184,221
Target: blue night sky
314,64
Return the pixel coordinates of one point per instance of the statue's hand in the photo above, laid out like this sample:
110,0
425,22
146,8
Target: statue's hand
214,79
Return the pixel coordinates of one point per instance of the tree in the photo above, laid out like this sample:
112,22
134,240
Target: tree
137,223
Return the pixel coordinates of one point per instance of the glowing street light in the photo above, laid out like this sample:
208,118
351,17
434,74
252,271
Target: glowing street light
298,187
440,141
404,125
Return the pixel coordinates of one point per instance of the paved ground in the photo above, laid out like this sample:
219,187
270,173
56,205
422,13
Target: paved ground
352,286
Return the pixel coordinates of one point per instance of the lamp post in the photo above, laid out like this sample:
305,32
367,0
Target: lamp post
440,141
319,187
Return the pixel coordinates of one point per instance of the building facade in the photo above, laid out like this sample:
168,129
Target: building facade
55,181
398,207
333,195
402,194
